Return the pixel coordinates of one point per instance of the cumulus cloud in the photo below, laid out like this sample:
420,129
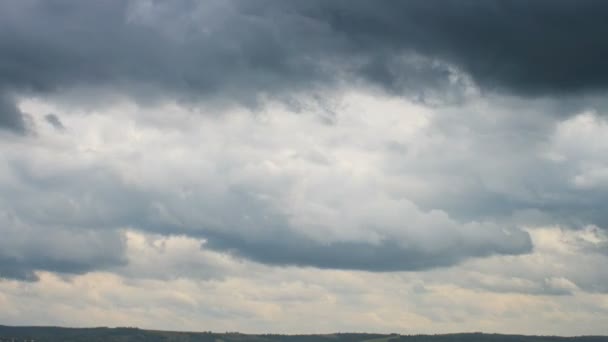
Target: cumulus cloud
269,195
259,185
433,144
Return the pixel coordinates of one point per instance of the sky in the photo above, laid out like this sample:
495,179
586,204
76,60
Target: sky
421,166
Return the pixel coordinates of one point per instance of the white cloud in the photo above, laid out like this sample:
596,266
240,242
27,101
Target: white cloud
204,203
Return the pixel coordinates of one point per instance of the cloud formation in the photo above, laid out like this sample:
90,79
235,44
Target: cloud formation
258,185
450,148
251,187
237,50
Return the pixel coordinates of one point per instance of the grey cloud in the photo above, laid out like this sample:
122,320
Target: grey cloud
11,118
292,249
63,44
238,50
27,248
35,236
518,46
54,121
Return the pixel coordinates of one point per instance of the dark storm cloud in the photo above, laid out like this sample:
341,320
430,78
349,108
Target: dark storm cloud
240,49
50,46
526,47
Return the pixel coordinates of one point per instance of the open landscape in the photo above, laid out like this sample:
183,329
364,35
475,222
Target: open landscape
56,334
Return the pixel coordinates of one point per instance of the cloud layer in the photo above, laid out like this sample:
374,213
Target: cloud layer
446,146
237,51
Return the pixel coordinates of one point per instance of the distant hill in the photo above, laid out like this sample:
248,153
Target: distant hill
52,334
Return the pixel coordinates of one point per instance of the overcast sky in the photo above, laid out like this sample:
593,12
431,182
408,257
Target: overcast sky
421,166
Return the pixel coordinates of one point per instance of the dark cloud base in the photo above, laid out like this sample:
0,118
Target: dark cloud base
245,48
387,256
